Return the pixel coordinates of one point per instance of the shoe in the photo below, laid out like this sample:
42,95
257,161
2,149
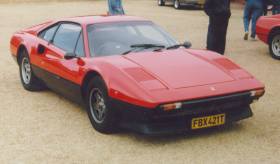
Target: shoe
246,36
253,39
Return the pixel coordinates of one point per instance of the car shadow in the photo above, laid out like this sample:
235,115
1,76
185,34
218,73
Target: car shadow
160,139
191,135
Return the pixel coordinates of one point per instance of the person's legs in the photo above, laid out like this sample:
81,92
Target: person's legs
115,7
211,35
257,12
111,11
121,7
216,39
246,19
222,34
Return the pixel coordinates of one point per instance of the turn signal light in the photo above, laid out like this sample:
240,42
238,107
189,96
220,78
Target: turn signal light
257,93
172,106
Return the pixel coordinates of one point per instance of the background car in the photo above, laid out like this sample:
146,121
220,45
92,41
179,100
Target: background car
179,3
268,30
130,73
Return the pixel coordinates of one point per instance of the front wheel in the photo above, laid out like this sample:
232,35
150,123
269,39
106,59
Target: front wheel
99,108
161,2
177,4
274,45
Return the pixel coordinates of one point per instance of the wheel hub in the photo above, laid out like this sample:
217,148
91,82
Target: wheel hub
276,45
97,105
26,70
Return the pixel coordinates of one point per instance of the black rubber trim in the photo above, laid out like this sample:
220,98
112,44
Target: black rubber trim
156,121
62,86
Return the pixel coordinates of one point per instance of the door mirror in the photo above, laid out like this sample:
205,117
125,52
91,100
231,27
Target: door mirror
187,44
41,49
69,55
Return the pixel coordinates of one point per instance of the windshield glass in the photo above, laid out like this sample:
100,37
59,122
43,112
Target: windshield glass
116,38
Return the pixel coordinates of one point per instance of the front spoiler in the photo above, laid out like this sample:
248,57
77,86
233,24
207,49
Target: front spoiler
178,126
158,122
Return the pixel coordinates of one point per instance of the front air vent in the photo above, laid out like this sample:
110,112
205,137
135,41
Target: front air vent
138,74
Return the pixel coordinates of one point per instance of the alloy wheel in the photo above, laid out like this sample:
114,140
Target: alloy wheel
276,45
26,70
97,105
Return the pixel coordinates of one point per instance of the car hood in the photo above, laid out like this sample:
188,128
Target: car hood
153,78
180,69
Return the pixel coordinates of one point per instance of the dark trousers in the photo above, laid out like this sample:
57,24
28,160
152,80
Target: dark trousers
217,31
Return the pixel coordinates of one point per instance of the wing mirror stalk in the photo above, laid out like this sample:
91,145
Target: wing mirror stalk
70,55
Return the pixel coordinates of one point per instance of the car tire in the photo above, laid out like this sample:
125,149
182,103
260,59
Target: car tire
161,2
28,79
274,45
177,4
99,108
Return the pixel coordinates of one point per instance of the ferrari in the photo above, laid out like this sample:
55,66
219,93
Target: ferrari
268,30
131,74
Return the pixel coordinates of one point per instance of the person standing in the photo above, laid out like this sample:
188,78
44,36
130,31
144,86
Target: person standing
115,7
252,11
219,14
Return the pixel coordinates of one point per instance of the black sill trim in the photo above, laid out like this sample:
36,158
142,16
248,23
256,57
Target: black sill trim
62,86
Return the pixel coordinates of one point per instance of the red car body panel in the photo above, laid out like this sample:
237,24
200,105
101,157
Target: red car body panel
146,79
265,26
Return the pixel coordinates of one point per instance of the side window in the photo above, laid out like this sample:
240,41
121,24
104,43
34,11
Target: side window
80,47
48,33
66,37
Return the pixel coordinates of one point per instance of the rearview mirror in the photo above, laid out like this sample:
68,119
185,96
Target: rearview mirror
69,55
187,44
41,49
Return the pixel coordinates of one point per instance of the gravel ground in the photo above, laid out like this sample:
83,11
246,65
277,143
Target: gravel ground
46,128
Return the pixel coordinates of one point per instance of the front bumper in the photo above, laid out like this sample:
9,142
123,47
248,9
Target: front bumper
156,121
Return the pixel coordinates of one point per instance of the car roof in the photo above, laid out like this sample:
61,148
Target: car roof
92,19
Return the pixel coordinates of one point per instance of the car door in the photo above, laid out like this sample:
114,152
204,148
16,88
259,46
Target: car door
60,74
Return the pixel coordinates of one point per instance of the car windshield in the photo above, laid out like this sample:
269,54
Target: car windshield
117,38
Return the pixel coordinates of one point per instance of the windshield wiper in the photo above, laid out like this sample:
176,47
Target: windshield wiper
142,47
174,46
147,46
186,45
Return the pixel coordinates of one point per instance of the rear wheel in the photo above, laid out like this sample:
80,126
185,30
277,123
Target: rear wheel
177,4
29,81
161,2
99,108
274,45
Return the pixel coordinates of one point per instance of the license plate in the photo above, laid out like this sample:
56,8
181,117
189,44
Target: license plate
208,121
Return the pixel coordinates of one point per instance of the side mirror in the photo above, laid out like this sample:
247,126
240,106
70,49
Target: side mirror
41,49
69,56
187,44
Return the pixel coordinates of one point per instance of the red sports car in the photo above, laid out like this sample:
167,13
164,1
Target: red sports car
130,73
268,30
